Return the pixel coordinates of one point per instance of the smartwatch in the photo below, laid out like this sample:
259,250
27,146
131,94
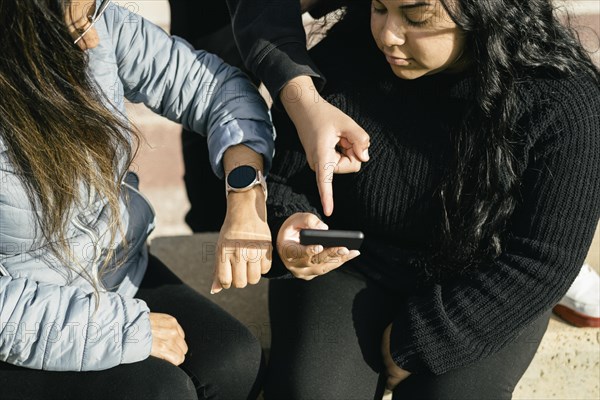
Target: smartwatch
244,178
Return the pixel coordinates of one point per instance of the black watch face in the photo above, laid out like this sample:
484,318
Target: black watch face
241,177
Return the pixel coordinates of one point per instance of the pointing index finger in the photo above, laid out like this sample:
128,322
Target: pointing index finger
324,177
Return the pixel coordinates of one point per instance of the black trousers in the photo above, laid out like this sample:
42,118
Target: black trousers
224,360
326,340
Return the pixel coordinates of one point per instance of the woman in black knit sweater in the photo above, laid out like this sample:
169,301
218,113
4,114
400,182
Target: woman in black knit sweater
478,204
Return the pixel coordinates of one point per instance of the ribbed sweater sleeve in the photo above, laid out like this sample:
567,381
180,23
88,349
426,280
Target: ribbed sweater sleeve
272,41
455,323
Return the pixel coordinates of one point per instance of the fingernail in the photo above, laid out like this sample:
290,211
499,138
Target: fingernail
318,249
323,226
343,252
365,154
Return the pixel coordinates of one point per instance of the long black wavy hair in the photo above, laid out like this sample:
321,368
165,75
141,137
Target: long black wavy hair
508,41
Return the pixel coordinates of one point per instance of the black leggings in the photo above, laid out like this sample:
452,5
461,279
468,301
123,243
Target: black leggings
224,360
326,338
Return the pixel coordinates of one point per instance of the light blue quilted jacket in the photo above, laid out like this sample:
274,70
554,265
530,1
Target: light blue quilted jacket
48,314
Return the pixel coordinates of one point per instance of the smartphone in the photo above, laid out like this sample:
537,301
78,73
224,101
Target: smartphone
332,238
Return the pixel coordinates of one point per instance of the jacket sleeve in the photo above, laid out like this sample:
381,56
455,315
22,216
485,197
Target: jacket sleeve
451,324
194,88
59,328
272,41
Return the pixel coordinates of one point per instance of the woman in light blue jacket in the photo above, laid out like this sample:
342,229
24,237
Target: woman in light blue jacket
78,289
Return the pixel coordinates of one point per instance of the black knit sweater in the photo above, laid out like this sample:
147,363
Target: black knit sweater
446,324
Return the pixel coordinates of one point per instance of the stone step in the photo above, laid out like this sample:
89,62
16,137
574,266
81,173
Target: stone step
566,366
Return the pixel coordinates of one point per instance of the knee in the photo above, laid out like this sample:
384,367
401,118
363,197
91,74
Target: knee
283,382
231,367
161,380
243,353
293,390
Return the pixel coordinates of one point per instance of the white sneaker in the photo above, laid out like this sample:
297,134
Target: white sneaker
581,305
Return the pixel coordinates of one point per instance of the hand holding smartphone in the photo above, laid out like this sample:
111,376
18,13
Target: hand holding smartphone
332,238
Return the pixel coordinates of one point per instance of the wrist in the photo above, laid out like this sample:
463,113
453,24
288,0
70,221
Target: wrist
247,203
307,5
239,155
299,94
254,193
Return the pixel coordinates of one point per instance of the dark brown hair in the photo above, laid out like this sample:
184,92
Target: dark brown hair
509,41
62,140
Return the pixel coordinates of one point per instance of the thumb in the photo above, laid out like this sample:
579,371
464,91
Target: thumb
360,141
313,222
392,382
